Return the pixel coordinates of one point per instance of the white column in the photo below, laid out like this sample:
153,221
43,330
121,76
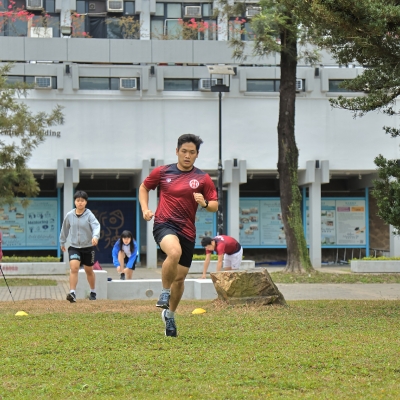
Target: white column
222,20
68,201
394,243
151,246
145,20
235,173
315,174
233,202
315,220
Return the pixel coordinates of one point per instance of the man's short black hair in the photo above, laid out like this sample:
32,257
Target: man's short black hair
206,241
189,138
80,194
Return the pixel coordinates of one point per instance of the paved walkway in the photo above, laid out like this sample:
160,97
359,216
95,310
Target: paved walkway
296,291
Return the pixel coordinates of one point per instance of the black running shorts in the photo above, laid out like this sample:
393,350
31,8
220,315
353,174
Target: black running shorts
85,255
159,231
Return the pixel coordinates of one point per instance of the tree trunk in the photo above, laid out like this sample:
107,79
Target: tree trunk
298,259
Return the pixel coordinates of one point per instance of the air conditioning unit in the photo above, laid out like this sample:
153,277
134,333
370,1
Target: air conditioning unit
206,83
299,85
97,7
34,4
127,83
40,32
252,11
192,12
42,82
116,6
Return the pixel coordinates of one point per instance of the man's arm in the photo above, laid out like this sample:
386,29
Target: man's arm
206,264
212,206
144,202
219,263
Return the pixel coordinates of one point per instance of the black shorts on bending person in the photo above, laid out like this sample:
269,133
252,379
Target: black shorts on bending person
159,231
84,255
126,259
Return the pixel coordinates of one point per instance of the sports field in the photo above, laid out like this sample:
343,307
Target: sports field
117,349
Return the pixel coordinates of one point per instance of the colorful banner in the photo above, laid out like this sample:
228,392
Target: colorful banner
33,226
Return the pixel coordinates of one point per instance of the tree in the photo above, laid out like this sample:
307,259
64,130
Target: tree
366,33
21,132
276,29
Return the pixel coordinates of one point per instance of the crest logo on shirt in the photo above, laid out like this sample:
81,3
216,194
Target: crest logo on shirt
168,180
194,183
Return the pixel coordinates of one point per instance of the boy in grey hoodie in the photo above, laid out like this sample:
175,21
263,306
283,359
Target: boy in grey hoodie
83,230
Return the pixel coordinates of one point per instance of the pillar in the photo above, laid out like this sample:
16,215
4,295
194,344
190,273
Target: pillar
235,173
394,243
151,246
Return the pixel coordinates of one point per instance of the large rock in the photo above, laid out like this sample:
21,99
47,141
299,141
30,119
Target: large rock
247,287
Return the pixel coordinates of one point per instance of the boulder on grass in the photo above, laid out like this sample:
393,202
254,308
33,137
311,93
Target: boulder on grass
247,287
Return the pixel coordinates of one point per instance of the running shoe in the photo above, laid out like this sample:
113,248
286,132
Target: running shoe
170,326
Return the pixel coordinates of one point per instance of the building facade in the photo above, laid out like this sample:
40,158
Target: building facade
127,100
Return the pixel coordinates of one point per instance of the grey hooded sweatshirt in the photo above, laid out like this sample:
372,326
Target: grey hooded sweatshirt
80,229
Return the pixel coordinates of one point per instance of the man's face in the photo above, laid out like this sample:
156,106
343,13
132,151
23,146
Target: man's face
187,155
210,247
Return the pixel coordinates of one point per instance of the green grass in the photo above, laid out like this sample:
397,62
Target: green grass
117,350
329,277
27,282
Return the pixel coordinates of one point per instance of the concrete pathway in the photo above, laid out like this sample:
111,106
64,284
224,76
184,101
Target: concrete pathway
295,291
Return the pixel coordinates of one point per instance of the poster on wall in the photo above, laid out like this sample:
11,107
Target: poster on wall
351,222
342,222
249,218
33,226
328,222
204,225
272,231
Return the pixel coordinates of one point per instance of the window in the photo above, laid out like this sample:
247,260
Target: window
99,83
334,85
240,28
19,26
98,23
168,23
263,85
185,85
30,80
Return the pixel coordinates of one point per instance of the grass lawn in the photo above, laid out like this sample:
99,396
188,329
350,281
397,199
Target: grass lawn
27,282
329,277
117,350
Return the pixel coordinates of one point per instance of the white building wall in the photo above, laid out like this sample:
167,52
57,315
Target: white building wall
108,130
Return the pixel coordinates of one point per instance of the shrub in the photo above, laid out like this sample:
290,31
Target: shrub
202,257
14,258
382,258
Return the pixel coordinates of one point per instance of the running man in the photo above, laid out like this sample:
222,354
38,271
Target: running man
182,188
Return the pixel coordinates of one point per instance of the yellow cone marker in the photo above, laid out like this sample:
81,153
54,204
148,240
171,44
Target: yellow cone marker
21,313
199,311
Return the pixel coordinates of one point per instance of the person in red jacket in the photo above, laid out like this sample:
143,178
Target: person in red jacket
229,251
